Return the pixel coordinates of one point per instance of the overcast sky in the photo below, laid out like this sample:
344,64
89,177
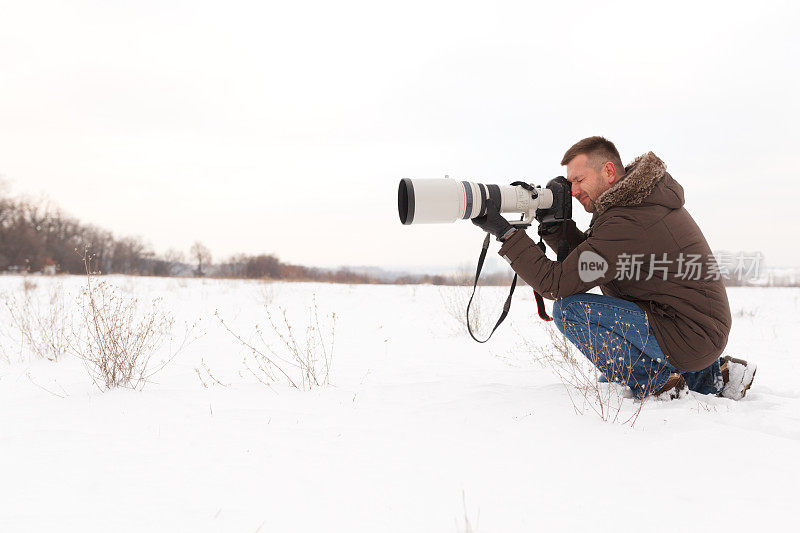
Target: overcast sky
284,127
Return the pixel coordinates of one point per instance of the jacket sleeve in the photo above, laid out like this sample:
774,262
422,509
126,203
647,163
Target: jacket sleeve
573,234
593,262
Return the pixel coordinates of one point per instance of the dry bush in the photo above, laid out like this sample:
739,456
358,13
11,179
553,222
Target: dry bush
455,299
748,313
207,377
266,292
279,354
28,285
46,329
581,378
119,341
482,315
487,304
467,526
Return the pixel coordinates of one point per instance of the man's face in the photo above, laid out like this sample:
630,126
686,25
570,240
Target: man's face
587,183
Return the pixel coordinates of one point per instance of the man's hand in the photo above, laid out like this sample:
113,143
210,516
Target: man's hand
493,222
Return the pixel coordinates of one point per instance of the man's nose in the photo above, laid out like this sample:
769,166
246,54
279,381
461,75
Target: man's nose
576,191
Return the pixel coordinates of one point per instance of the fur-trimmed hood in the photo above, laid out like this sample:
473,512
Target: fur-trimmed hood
646,181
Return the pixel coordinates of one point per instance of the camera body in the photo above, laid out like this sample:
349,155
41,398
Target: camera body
561,209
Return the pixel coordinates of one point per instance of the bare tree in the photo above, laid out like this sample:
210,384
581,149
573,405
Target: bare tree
202,255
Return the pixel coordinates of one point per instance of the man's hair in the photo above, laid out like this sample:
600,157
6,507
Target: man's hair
598,149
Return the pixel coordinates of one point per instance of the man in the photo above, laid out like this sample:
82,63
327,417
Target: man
663,319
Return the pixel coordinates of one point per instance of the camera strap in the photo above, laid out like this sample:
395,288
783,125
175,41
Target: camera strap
562,253
539,300
506,306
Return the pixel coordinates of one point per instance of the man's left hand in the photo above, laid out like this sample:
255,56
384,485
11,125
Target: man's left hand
493,222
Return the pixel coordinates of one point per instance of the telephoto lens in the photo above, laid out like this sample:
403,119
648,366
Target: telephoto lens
437,201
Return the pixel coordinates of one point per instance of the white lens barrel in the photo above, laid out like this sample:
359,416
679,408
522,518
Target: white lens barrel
517,199
432,201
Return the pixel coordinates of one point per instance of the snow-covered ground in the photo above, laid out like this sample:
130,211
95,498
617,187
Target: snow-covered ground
422,429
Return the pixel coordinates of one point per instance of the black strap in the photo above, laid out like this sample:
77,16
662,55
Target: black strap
562,251
539,300
506,306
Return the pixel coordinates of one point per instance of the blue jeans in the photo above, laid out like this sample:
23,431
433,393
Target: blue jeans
615,336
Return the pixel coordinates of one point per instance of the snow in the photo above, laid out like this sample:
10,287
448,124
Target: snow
421,430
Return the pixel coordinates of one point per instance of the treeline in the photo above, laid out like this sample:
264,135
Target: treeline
36,236
270,267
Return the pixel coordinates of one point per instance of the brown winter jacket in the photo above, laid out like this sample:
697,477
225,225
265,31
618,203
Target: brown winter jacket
684,299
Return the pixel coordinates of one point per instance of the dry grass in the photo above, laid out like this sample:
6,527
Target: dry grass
206,377
487,305
266,292
28,285
612,402
45,329
582,382
466,526
118,340
745,313
279,353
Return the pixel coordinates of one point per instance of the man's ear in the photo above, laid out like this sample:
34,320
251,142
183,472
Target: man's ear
610,172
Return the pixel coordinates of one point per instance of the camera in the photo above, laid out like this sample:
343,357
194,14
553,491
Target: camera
432,201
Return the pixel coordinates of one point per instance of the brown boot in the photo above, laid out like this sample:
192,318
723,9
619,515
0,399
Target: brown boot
674,385
737,375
